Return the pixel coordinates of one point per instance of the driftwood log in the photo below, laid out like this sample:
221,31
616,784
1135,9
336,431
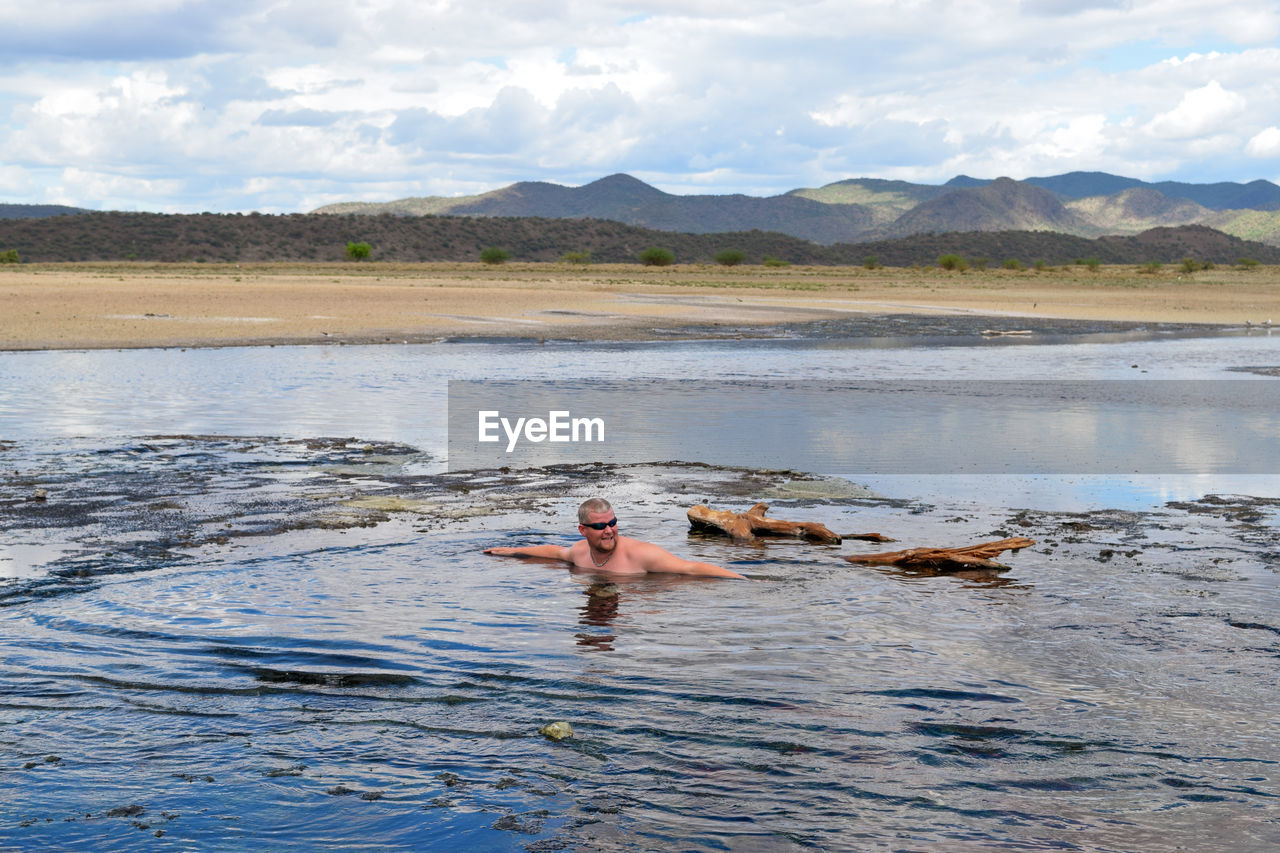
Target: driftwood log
745,526
980,556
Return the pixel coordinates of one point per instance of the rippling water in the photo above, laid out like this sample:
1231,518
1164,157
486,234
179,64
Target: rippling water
214,640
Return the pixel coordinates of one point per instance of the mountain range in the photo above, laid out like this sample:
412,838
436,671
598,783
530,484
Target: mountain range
1082,204
37,211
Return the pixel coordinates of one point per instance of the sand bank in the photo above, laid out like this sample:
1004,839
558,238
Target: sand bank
73,306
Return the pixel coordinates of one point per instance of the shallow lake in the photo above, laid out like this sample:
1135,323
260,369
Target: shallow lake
223,630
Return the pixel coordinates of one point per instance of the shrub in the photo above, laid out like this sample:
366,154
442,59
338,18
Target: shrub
771,261
494,255
1247,263
1041,265
952,262
1093,264
1191,265
576,258
655,256
979,263
1013,264
1151,267
10,256
871,262
359,251
730,257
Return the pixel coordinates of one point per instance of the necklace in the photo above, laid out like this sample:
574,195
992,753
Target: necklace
600,565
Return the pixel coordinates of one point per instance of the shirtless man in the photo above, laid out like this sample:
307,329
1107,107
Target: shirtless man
602,549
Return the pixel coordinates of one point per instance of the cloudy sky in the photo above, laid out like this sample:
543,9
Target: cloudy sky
225,105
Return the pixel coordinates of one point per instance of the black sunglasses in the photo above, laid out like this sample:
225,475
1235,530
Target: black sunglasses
601,525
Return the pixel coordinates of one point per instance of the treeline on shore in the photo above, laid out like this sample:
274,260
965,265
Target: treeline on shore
253,238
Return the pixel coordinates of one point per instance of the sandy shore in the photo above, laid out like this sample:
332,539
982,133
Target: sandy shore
74,306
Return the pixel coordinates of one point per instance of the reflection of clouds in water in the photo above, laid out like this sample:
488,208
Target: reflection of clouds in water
954,439
27,560
1072,492
398,393
920,427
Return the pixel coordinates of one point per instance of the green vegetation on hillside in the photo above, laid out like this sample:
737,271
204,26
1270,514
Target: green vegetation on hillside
1260,225
256,238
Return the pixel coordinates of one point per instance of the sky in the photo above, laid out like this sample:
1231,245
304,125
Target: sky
281,107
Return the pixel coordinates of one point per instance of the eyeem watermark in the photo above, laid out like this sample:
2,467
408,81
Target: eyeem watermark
876,427
559,427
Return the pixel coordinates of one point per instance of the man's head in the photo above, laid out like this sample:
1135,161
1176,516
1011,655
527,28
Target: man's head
590,506
598,525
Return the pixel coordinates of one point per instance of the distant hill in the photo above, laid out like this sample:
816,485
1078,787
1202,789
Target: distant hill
1260,225
886,200
1165,245
1255,195
1136,209
1002,205
1195,241
960,182
1085,184
37,211
305,237
625,199
256,238
1084,204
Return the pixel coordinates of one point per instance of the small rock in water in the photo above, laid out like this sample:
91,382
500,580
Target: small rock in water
40,495
132,810
556,731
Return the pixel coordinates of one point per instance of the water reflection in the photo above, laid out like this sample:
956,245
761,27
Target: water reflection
261,630
989,578
599,611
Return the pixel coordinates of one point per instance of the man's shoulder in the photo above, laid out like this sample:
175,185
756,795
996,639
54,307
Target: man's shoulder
638,550
634,545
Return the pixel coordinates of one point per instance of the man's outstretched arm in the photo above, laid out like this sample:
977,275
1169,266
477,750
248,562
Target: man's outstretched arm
546,552
659,560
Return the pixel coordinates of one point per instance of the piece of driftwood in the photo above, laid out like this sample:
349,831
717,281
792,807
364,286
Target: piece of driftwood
745,526
980,556
868,537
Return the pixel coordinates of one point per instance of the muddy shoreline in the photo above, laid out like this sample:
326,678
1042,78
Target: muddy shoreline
119,306
909,327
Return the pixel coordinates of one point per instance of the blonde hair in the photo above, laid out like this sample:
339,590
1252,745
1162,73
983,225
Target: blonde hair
590,506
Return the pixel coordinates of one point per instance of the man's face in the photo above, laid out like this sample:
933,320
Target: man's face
601,540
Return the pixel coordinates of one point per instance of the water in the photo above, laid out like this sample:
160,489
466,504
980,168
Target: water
221,632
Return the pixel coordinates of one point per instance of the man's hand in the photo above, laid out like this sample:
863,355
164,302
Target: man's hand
546,552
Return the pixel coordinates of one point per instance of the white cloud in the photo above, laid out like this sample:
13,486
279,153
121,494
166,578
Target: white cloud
1265,144
1200,111
17,182
243,105
88,188
1248,23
